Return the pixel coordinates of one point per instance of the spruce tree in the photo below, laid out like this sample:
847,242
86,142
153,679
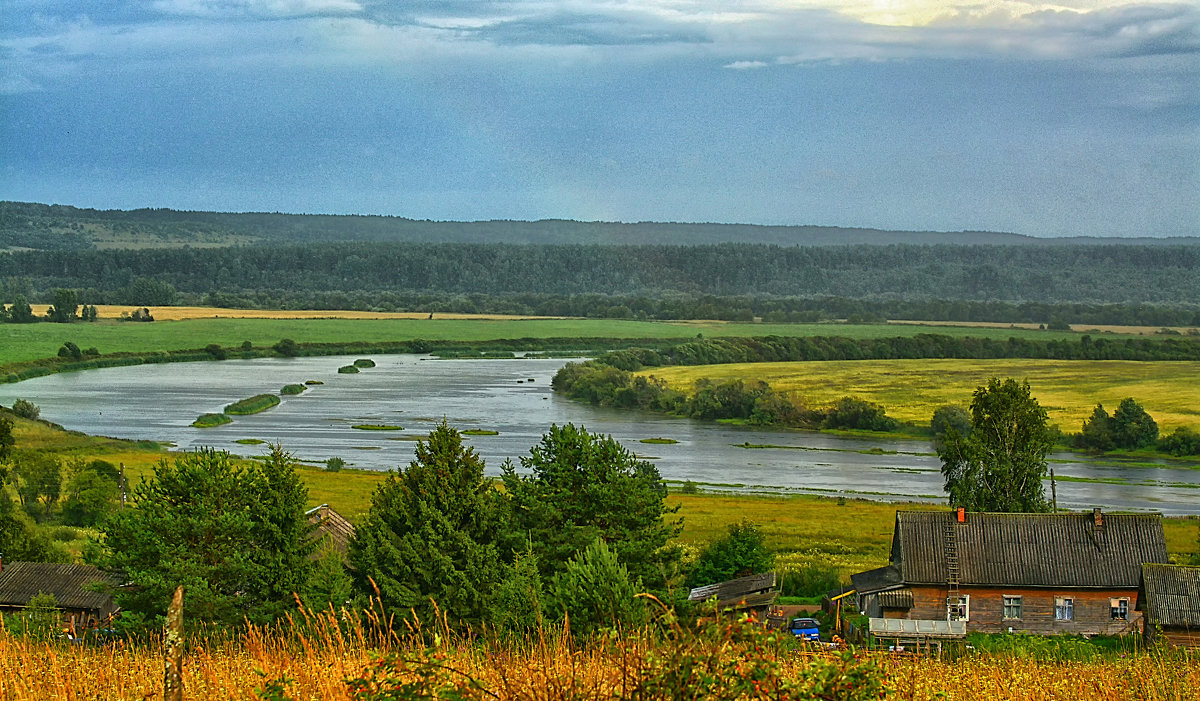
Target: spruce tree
431,534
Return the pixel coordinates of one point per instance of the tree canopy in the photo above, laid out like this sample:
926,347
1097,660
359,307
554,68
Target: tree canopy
1000,465
235,537
431,533
582,487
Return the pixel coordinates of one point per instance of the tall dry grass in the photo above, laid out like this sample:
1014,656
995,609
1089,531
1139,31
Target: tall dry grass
311,656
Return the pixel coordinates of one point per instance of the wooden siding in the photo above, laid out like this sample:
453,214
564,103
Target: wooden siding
1034,550
1181,637
1092,611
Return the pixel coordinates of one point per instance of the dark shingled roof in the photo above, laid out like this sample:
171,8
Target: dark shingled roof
878,579
330,527
21,581
1032,550
1172,595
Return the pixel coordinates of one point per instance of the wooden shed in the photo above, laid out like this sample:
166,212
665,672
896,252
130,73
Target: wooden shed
1037,573
756,592
71,586
1170,601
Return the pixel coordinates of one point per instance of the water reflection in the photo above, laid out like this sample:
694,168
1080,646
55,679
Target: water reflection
513,397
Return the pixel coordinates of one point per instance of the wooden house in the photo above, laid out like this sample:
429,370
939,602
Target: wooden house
70,585
1170,601
1035,573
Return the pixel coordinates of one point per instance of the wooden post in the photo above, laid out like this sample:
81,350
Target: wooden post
1053,491
173,649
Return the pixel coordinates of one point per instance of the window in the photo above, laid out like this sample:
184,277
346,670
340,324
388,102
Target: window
1064,608
958,608
1120,609
1012,607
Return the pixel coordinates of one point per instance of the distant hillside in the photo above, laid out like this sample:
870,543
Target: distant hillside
61,227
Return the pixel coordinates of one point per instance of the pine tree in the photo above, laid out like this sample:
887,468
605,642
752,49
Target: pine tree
431,533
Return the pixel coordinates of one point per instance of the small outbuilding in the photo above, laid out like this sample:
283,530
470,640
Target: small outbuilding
1170,602
755,593
71,585
330,529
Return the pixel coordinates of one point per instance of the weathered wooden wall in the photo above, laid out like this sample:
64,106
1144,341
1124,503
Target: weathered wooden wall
1092,613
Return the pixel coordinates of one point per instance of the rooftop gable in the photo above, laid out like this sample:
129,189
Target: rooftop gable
21,581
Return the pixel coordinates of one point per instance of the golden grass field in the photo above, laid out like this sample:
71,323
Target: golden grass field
1081,328
314,664
910,390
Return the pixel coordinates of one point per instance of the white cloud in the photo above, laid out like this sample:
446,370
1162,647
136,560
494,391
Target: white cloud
256,8
746,65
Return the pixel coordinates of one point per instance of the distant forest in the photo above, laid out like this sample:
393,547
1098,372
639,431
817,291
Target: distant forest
1152,284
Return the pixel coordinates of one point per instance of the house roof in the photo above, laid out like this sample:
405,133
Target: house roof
878,579
1171,595
742,587
1091,550
330,526
21,581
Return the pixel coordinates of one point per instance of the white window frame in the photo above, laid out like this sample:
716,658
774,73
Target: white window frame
1119,608
966,609
1064,608
1009,602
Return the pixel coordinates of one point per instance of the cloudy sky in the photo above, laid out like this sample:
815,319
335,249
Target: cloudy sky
1075,117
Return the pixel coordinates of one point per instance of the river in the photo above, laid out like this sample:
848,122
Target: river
513,397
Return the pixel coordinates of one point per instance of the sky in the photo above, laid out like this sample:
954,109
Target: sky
1069,118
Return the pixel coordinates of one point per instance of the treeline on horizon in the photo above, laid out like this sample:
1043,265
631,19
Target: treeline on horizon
1151,285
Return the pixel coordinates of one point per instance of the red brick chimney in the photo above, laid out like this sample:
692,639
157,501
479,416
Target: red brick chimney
1097,518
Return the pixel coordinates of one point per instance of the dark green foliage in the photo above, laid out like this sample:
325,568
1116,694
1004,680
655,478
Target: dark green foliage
92,492
519,599
1000,466
810,580
949,417
334,464
596,592
142,314
851,413
329,583
147,291
235,537
70,351
582,487
292,389
7,441
348,369
1132,427
742,551
1184,441
364,363
66,304
39,480
287,348
89,313
216,351
20,312
431,533
1096,433
22,539
26,409
247,346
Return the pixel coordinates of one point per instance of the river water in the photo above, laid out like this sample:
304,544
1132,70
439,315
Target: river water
513,397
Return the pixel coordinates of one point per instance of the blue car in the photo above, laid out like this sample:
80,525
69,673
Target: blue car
805,629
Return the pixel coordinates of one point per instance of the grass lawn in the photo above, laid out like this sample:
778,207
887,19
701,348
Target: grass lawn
22,342
910,390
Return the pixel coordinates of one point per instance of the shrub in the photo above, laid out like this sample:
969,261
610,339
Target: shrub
742,551
216,351
247,346
287,348
810,580
292,389
334,464
853,413
70,350
347,370
596,592
1184,441
26,409
364,363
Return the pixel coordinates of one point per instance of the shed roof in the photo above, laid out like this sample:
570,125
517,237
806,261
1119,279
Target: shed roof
1032,550
330,526
1172,595
734,588
21,581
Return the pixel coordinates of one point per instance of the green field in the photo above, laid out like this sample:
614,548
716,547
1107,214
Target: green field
23,342
910,390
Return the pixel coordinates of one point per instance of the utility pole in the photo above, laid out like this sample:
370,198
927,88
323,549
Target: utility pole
1053,491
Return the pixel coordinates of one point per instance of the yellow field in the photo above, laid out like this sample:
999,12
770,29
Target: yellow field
1082,328
114,311
910,390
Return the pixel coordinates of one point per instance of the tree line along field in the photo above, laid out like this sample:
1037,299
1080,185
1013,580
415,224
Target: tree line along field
910,390
24,342
851,534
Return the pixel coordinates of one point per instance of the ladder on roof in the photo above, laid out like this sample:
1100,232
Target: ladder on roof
954,600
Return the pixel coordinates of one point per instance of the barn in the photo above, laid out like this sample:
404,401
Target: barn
1170,601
